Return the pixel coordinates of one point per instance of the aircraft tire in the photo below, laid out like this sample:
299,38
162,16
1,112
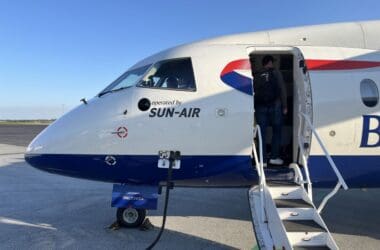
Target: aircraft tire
130,217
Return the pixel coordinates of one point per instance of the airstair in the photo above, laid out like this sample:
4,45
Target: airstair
283,213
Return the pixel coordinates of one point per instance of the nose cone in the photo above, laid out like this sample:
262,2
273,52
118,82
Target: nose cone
85,130
77,143
56,140
61,136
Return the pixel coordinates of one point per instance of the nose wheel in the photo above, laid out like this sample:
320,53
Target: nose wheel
130,217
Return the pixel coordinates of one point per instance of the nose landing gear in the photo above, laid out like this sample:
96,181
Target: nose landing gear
130,217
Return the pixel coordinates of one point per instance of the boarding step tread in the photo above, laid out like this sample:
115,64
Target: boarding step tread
292,203
302,226
279,183
311,248
277,167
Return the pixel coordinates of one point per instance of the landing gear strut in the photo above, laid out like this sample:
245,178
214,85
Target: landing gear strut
130,217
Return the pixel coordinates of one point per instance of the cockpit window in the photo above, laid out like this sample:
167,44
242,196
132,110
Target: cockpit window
126,80
174,74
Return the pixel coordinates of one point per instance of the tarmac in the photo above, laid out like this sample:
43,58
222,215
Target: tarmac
39,210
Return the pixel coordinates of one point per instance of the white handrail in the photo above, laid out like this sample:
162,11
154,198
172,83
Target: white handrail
306,167
328,196
341,181
259,162
307,173
328,156
260,168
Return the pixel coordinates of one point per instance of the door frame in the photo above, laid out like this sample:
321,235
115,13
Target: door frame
302,93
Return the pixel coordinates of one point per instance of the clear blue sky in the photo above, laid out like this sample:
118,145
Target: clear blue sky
53,53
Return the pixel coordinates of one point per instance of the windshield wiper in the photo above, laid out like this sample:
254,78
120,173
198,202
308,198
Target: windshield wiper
103,93
113,90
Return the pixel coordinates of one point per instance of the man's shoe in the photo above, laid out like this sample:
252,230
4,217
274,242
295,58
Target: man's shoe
276,161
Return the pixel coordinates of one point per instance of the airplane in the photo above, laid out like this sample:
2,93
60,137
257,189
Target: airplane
186,116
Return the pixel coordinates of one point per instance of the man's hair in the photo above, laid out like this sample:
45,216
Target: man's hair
267,59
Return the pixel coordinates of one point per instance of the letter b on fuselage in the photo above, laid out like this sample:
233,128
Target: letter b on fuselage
374,132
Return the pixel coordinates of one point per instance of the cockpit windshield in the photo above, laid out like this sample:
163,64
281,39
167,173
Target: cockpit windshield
128,79
170,74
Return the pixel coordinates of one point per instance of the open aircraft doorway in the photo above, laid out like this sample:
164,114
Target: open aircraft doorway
290,62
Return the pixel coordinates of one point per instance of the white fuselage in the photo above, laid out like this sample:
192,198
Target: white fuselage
212,126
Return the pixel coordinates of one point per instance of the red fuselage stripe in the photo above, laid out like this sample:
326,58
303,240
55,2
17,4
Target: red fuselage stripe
234,65
313,64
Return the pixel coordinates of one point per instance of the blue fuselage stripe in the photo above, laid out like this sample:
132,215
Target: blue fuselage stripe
358,171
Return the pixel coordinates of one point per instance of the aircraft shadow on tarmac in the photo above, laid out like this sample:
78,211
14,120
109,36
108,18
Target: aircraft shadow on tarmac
44,211
80,210
352,212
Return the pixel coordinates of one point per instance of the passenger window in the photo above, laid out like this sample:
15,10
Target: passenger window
369,92
175,74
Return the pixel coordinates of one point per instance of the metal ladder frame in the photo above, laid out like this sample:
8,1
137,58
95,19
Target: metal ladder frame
260,166
341,182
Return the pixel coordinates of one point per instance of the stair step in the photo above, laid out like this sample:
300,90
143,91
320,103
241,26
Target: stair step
302,226
302,213
277,167
302,239
276,183
286,192
311,248
291,203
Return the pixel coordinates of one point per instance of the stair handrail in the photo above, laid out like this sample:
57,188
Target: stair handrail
304,161
259,164
306,167
341,181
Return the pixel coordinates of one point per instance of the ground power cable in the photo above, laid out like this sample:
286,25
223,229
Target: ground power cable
169,185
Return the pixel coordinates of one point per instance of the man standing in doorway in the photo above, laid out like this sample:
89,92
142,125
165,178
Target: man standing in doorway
270,106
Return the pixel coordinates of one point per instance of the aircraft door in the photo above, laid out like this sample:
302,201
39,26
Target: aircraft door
302,103
289,61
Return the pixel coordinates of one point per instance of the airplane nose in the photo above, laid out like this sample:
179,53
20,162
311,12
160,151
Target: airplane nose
45,145
64,146
66,136
77,132
78,143
71,155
